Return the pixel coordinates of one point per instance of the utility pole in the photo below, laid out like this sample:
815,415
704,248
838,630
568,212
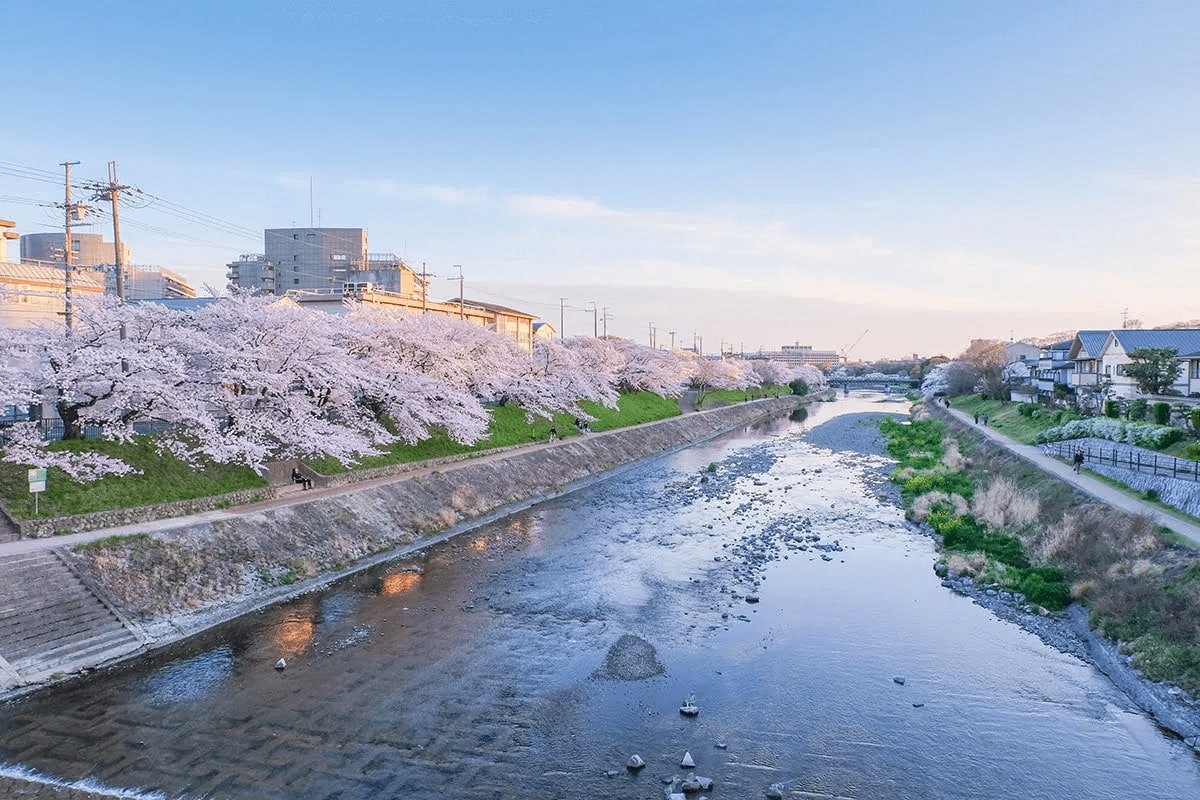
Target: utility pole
458,267
112,191
595,323
651,335
604,322
562,317
424,289
68,212
672,339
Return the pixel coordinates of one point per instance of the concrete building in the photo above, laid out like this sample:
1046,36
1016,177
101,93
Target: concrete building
7,234
32,294
148,283
322,259
87,249
316,258
795,355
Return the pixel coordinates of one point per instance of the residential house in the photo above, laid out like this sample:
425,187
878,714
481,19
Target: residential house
1085,354
544,330
1115,355
1053,369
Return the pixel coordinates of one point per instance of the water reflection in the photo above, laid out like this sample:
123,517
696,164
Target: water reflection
399,582
294,633
189,680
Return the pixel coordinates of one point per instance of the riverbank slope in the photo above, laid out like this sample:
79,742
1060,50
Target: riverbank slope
156,584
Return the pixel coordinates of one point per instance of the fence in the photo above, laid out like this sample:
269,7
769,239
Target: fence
1130,458
53,429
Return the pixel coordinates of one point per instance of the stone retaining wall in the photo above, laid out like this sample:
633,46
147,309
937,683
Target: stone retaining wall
55,526
225,561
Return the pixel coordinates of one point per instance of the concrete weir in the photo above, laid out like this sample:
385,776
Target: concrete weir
64,611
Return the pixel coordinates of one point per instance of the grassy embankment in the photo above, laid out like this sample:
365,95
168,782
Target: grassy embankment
1005,522
1007,417
165,479
716,398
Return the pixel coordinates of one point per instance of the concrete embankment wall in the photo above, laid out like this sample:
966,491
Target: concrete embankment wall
178,582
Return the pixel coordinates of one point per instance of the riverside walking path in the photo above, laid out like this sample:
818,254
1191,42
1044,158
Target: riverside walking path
1082,481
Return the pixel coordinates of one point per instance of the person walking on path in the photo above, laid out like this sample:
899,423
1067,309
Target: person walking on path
977,418
1078,459
985,420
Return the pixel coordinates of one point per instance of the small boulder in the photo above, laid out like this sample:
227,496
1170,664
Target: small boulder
280,664
635,762
688,762
899,679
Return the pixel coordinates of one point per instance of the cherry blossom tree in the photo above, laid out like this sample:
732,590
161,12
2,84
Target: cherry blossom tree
770,373
645,369
708,374
809,374
426,372
555,380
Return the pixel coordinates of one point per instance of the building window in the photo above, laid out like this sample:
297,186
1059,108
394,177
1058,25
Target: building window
295,281
296,236
1108,370
295,258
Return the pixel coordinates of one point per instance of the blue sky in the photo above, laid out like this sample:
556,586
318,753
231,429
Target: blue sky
806,171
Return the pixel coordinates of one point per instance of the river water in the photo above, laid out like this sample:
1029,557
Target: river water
531,657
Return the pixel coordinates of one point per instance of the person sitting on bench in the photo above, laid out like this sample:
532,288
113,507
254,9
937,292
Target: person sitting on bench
298,478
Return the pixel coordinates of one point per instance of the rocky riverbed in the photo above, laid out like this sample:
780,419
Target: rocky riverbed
756,581
1068,633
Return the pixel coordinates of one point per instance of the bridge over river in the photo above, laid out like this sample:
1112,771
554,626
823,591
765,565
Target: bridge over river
877,382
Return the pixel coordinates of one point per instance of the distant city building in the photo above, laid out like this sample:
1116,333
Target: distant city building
797,354
87,249
148,283
322,259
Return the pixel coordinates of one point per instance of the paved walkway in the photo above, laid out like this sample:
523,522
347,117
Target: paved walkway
157,526
1083,482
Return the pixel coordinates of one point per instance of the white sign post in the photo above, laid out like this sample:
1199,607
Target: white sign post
37,485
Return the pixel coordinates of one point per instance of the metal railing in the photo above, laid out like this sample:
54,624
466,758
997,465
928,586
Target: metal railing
1129,458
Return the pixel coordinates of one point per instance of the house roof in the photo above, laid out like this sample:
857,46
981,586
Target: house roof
493,307
1088,344
1185,341
52,274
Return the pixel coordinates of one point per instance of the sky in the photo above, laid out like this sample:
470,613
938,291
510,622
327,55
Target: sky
904,175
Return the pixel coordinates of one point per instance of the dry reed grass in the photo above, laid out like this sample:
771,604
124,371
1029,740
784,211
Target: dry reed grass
1002,505
1093,538
925,503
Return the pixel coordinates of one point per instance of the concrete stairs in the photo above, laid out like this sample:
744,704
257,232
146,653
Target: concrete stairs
51,622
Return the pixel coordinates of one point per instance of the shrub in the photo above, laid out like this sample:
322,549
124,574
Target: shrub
1046,587
1195,418
1112,409
1137,409
799,387
1027,410
1142,434
1162,413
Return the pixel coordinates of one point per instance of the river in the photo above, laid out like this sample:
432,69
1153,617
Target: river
529,658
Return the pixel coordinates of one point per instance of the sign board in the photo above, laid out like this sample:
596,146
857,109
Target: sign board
37,480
